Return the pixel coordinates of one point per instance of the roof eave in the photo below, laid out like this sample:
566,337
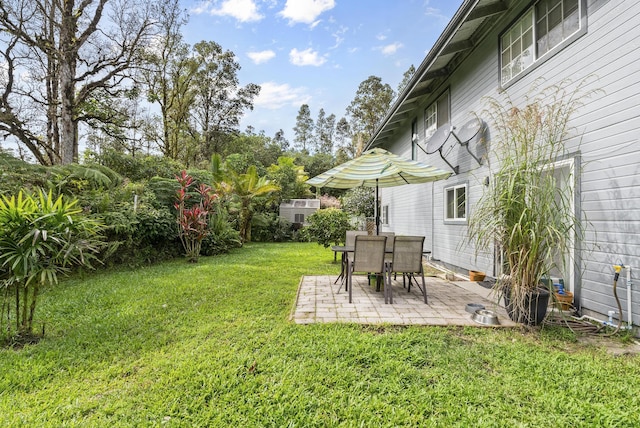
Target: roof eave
467,11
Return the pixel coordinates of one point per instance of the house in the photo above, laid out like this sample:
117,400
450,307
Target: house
494,45
296,211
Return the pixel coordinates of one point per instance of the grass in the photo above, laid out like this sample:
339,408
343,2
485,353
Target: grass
210,344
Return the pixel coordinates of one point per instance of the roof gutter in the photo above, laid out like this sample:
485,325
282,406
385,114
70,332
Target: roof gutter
458,19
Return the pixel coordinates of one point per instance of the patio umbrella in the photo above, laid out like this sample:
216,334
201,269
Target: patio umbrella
378,168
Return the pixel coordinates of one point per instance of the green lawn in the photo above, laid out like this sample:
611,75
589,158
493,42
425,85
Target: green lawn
210,344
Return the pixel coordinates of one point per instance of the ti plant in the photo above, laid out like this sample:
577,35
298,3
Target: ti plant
193,217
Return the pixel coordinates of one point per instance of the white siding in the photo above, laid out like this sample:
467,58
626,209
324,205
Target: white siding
606,136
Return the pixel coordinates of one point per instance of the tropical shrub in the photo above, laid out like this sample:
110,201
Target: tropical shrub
193,217
40,238
222,236
291,179
359,201
328,226
145,235
138,168
16,174
270,227
242,192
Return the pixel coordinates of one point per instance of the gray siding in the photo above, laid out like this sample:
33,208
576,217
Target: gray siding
606,138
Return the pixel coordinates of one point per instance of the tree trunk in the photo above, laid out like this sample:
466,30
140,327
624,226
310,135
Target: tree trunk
25,306
32,308
53,93
17,306
67,85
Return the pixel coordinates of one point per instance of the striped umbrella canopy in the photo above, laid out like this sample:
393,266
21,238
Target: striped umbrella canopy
378,168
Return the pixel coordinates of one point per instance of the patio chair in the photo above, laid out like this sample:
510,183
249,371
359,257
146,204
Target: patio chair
350,241
368,257
407,260
390,238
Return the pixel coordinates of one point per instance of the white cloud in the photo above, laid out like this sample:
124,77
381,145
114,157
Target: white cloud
306,57
306,11
274,96
338,35
200,8
381,37
242,10
390,49
435,13
262,56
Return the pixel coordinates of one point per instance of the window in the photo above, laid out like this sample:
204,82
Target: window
385,214
414,139
456,203
436,115
298,218
543,27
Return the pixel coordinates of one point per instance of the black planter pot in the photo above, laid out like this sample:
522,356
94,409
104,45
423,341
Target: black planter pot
534,309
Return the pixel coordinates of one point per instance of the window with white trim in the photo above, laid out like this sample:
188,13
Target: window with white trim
547,24
455,206
298,218
436,115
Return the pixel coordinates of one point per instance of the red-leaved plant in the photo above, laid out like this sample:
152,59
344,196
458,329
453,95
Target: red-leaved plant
193,218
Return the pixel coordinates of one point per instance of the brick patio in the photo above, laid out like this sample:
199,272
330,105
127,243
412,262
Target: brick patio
319,300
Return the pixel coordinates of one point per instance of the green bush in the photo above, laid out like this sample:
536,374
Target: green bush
222,236
140,167
147,235
16,175
329,226
270,227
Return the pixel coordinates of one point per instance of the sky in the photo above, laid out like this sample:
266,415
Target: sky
316,52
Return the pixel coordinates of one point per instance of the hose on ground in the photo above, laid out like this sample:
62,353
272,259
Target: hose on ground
581,326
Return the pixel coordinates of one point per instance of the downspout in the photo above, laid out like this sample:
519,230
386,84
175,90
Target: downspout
629,309
433,223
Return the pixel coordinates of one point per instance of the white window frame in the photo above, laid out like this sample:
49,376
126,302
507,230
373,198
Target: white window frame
521,47
385,215
297,217
434,117
454,191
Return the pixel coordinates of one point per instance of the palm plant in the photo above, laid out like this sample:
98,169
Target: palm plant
245,188
524,212
40,238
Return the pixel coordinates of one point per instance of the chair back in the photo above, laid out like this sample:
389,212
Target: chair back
350,239
368,255
407,254
390,239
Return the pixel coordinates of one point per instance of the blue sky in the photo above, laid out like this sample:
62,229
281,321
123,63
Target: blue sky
316,51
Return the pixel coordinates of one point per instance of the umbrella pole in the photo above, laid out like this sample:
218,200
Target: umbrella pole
377,210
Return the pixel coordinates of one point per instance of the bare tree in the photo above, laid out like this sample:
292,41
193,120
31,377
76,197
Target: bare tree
60,54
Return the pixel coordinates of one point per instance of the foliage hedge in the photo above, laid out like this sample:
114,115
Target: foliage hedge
328,226
138,213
